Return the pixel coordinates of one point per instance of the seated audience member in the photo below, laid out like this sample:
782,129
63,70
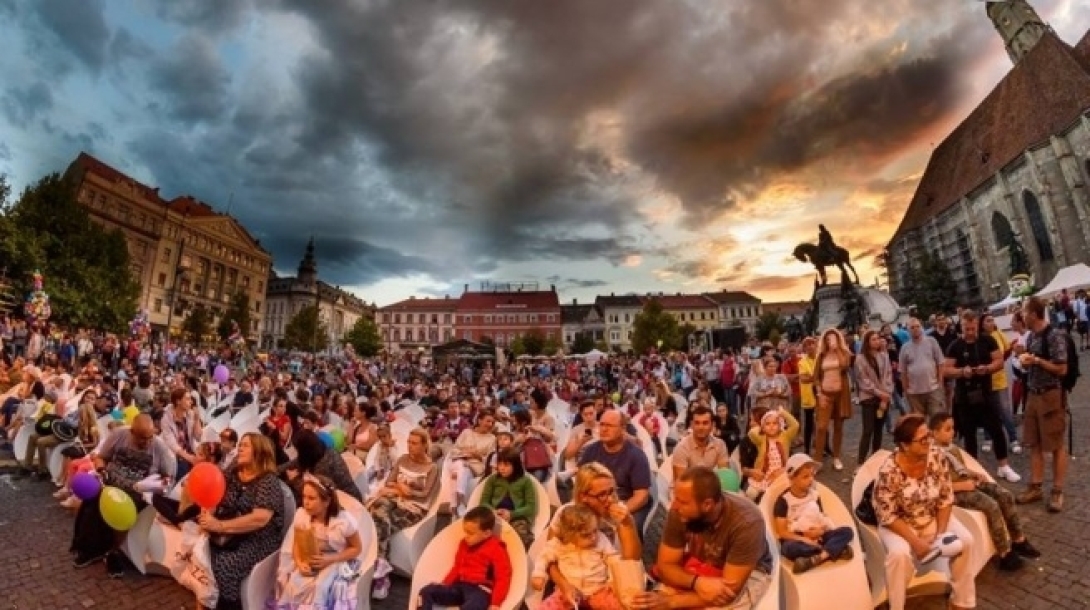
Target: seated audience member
975,492
317,459
700,447
773,441
913,501
596,489
481,576
126,457
330,534
466,461
577,558
512,495
628,463
807,536
714,552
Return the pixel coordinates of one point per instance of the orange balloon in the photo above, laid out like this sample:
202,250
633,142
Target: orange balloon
206,485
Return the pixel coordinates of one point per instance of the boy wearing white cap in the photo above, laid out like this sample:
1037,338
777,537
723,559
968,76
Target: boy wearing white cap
807,536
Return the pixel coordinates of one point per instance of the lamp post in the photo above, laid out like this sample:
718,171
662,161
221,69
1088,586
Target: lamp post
181,266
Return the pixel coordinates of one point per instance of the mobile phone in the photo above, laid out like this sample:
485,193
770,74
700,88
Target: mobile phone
588,432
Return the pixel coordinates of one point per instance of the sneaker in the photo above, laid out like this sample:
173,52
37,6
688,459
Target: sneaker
1008,473
986,447
381,588
931,555
1025,549
1032,494
846,555
803,564
1011,562
115,564
1056,501
837,464
1016,448
82,561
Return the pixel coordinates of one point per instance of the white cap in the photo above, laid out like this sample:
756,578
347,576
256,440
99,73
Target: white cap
797,461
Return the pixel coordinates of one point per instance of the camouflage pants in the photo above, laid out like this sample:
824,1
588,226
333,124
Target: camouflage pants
997,504
389,518
524,529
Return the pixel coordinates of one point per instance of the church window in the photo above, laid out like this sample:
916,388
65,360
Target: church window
1001,230
1037,224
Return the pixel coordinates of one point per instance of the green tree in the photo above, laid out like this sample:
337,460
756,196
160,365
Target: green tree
552,346
601,346
84,267
652,326
930,286
198,324
583,343
364,337
305,331
238,311
517,347
534,342
769,322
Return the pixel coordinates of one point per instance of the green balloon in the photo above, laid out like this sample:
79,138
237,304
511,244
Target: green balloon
729,480
338,439
117,508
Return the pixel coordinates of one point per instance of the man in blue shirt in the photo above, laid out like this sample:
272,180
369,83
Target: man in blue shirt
626,461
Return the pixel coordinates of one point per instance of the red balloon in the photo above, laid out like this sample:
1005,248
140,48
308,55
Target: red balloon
206,485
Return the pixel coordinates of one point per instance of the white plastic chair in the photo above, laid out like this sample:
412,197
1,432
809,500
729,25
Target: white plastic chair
665,480
164,541
400,429
247,420
221,423
412,413
648,447
368,540
135,546
259,585
541,518
934,581
56,460
407,545
22,438
440,558
847,578
534,598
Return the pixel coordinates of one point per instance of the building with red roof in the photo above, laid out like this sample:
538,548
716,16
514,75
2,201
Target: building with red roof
502,312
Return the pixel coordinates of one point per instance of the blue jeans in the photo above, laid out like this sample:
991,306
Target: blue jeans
461,594
833,542
541,474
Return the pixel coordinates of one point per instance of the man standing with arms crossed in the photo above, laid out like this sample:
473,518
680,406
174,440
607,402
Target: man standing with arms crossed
1046,413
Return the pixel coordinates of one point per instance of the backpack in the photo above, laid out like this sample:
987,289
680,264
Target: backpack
1072,377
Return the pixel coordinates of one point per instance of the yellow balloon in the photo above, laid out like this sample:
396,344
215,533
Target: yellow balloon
117,508
130,414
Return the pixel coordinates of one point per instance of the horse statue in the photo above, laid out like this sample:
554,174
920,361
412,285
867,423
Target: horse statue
817,256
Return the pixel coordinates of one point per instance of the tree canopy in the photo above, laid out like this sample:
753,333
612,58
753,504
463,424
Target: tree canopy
238,311
198,324
769,327
654,327
583,343
364,337
305,331
86,269
929,285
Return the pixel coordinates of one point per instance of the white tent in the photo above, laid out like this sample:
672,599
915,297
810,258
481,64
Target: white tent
1072,278
1001,306
594,355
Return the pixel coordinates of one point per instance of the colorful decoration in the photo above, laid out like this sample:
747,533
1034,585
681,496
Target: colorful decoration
117,508
206,485
37,308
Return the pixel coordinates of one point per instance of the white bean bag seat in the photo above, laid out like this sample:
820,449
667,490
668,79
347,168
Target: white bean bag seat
934,581
438,559
260,584
407,545
809,591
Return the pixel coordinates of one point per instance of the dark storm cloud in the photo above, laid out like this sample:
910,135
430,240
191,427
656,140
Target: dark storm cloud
192,80
126,45
80,26
22,106
344,257
205,15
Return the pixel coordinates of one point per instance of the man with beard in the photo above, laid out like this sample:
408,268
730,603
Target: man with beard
714,551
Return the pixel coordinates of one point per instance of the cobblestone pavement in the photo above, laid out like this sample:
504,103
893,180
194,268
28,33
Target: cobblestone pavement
37,572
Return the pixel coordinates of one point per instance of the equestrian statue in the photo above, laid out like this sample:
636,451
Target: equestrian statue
824,254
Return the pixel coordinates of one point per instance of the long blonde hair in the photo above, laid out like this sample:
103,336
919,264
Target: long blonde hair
844,356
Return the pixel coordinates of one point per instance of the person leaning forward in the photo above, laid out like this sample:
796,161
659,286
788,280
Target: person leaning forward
714,551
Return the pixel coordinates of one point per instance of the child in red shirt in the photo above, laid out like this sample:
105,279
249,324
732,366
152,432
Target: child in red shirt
481,576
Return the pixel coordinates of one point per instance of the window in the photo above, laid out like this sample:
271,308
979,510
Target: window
166,255
158,308
614,336
551,318
410,318
162,280
245,281
446,318
385,318
434,318
397,334
467,319
257,306
533,317
522,318
449,334
1037,225
703,315
488,319
626,318
261,287
397,318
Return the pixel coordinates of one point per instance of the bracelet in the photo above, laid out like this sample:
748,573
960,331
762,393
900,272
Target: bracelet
692,585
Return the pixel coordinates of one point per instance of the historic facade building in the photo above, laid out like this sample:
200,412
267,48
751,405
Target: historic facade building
417,323
576,319
338,309
183,252
619,313
503,312
737,308
1013,175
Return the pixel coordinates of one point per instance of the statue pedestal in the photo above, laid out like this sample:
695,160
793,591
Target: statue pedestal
829,301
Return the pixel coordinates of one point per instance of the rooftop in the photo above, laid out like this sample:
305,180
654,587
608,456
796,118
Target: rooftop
527,299
423,304
727,297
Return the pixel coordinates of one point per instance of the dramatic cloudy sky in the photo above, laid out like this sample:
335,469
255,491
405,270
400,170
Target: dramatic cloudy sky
599,145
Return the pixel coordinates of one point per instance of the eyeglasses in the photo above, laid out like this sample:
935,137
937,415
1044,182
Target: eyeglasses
924,440
604,495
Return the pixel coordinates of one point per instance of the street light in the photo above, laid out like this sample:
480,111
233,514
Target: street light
180,268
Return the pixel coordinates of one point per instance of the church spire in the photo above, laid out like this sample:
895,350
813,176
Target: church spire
308,268
1019,25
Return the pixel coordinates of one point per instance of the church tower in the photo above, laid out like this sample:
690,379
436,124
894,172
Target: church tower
1019,25
308,268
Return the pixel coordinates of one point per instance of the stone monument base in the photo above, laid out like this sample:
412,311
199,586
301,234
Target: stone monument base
878,307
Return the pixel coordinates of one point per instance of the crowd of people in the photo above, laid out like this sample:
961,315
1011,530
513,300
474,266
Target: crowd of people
767,412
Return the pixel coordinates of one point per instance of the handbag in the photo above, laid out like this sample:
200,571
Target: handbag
864,511
535,454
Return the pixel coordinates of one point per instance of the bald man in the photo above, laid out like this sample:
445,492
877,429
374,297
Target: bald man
626,460
127,456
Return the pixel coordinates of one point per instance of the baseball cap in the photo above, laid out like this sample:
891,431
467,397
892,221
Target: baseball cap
797,461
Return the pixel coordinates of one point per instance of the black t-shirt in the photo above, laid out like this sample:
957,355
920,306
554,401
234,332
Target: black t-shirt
977,353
